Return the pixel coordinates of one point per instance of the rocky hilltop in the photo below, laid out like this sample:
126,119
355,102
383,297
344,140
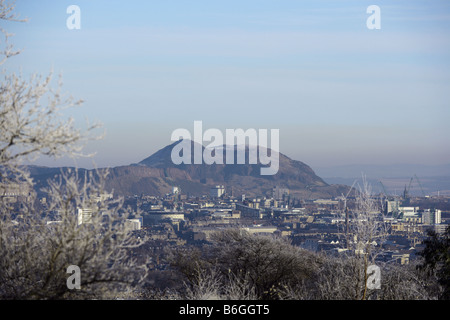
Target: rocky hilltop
157,174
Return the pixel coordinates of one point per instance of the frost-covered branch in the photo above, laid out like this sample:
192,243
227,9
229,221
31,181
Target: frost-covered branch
77,225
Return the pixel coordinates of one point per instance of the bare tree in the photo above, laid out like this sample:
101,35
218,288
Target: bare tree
249,265
336,279
365,231
211,284
405,282
7,14
369,230
37,248
267,262
29,126
78,226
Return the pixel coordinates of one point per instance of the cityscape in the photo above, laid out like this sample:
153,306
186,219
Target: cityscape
224,158
317,224
179,221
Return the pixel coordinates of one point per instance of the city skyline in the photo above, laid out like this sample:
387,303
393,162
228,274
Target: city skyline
338,92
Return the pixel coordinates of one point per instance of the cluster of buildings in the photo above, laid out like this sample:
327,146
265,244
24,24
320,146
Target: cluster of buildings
316,225
415,215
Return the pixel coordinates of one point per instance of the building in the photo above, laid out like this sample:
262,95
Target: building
133,224
279,193
431,216
10,192
249,212
103,197
260,229
84,215
409,211
326,202
392,206
410,214
160,216
253,204
217,191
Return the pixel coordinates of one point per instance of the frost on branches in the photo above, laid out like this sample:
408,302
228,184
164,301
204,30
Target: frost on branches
38,243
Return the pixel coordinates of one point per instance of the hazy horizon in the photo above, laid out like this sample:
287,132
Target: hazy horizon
338,92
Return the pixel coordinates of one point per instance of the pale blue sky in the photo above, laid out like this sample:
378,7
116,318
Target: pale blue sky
339,92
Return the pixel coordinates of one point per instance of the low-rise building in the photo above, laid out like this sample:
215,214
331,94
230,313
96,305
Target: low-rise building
159,216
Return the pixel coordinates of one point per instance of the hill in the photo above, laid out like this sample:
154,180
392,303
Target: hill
157,174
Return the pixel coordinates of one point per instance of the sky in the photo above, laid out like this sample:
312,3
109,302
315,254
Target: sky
339,92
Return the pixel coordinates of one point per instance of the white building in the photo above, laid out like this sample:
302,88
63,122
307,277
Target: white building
133,224
431,216
217,191
409,211
410,214
103,197
260,229
392,206
84,216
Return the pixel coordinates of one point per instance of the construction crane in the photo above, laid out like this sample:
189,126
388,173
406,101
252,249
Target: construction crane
347,216
406,192
420,185
409,186
384,189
